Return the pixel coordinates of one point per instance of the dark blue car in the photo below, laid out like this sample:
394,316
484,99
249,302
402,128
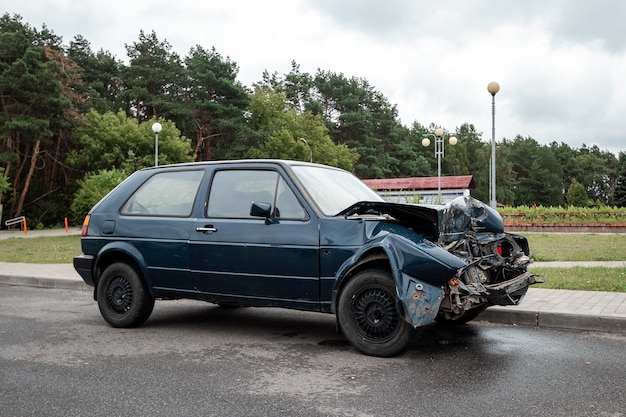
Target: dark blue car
301,236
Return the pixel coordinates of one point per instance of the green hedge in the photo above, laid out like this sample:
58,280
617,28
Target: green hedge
560,215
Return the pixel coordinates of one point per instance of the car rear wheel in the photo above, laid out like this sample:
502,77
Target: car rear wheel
368,315
123,297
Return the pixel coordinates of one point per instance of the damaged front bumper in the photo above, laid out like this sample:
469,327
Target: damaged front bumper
512,291
421,301
505,293
463,301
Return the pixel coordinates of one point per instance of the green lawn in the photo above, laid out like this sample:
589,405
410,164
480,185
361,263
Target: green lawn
584,279
576,246
40,250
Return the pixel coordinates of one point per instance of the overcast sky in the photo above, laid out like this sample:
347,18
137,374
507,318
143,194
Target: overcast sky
561,64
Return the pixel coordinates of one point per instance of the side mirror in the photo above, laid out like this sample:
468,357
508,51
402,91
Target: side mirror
259,209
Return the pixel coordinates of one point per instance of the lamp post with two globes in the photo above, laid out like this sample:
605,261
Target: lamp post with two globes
439,151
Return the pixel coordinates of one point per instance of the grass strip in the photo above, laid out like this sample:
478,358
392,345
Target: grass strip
583,278
576,247
40,250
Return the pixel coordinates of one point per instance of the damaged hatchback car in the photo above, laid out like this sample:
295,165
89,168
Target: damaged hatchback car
273,233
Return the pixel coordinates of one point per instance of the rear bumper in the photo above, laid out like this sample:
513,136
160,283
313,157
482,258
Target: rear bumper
83,264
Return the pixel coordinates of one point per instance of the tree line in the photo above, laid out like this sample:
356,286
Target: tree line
71,114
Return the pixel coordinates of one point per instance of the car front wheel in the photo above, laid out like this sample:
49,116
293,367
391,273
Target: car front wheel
368,315
123,298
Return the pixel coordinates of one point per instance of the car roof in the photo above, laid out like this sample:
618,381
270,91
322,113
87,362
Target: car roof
282,162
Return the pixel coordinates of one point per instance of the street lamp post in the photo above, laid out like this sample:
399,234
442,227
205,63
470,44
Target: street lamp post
310,150
493,88
439,151
156,128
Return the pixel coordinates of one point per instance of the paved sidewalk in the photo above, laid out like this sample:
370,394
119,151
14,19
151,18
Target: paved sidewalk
580,310
565,309
42,276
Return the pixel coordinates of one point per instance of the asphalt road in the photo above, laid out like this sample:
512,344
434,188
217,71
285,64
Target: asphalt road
59,358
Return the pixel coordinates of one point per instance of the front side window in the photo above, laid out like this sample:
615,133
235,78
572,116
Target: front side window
233,192
165,194
287,205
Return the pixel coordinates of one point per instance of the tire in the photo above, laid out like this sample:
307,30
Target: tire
368,316
123,297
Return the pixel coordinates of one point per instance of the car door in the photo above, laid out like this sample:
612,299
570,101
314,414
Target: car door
155,221
272,260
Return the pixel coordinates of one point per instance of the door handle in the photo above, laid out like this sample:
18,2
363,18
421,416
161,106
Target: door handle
208,228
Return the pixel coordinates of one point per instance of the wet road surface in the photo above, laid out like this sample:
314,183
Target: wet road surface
59,358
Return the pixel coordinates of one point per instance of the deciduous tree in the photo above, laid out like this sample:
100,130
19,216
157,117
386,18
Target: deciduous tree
92,188
113,140
595,170
293,135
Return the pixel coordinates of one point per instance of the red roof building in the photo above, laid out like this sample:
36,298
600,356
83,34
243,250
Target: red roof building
422,189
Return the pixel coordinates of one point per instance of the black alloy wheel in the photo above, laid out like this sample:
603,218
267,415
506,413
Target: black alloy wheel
368,315
123,298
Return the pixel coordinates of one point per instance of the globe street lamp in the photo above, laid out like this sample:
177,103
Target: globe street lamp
156,128
493,88
439,151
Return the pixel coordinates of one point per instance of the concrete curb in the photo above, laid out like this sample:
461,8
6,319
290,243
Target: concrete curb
546,319
39,282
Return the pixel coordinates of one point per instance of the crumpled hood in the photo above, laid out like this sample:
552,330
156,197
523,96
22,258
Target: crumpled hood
448,222
464,214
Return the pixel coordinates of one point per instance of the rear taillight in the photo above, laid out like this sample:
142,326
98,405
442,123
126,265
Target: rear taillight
500,250
83,231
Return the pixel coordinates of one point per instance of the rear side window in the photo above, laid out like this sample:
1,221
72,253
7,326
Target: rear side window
165,194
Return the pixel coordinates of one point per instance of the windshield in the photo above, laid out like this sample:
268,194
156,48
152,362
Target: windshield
332,189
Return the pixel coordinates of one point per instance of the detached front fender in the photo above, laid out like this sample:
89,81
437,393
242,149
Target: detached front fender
423,269
420,301
419,269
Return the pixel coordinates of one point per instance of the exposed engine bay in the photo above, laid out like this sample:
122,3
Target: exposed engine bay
496,262
496,274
